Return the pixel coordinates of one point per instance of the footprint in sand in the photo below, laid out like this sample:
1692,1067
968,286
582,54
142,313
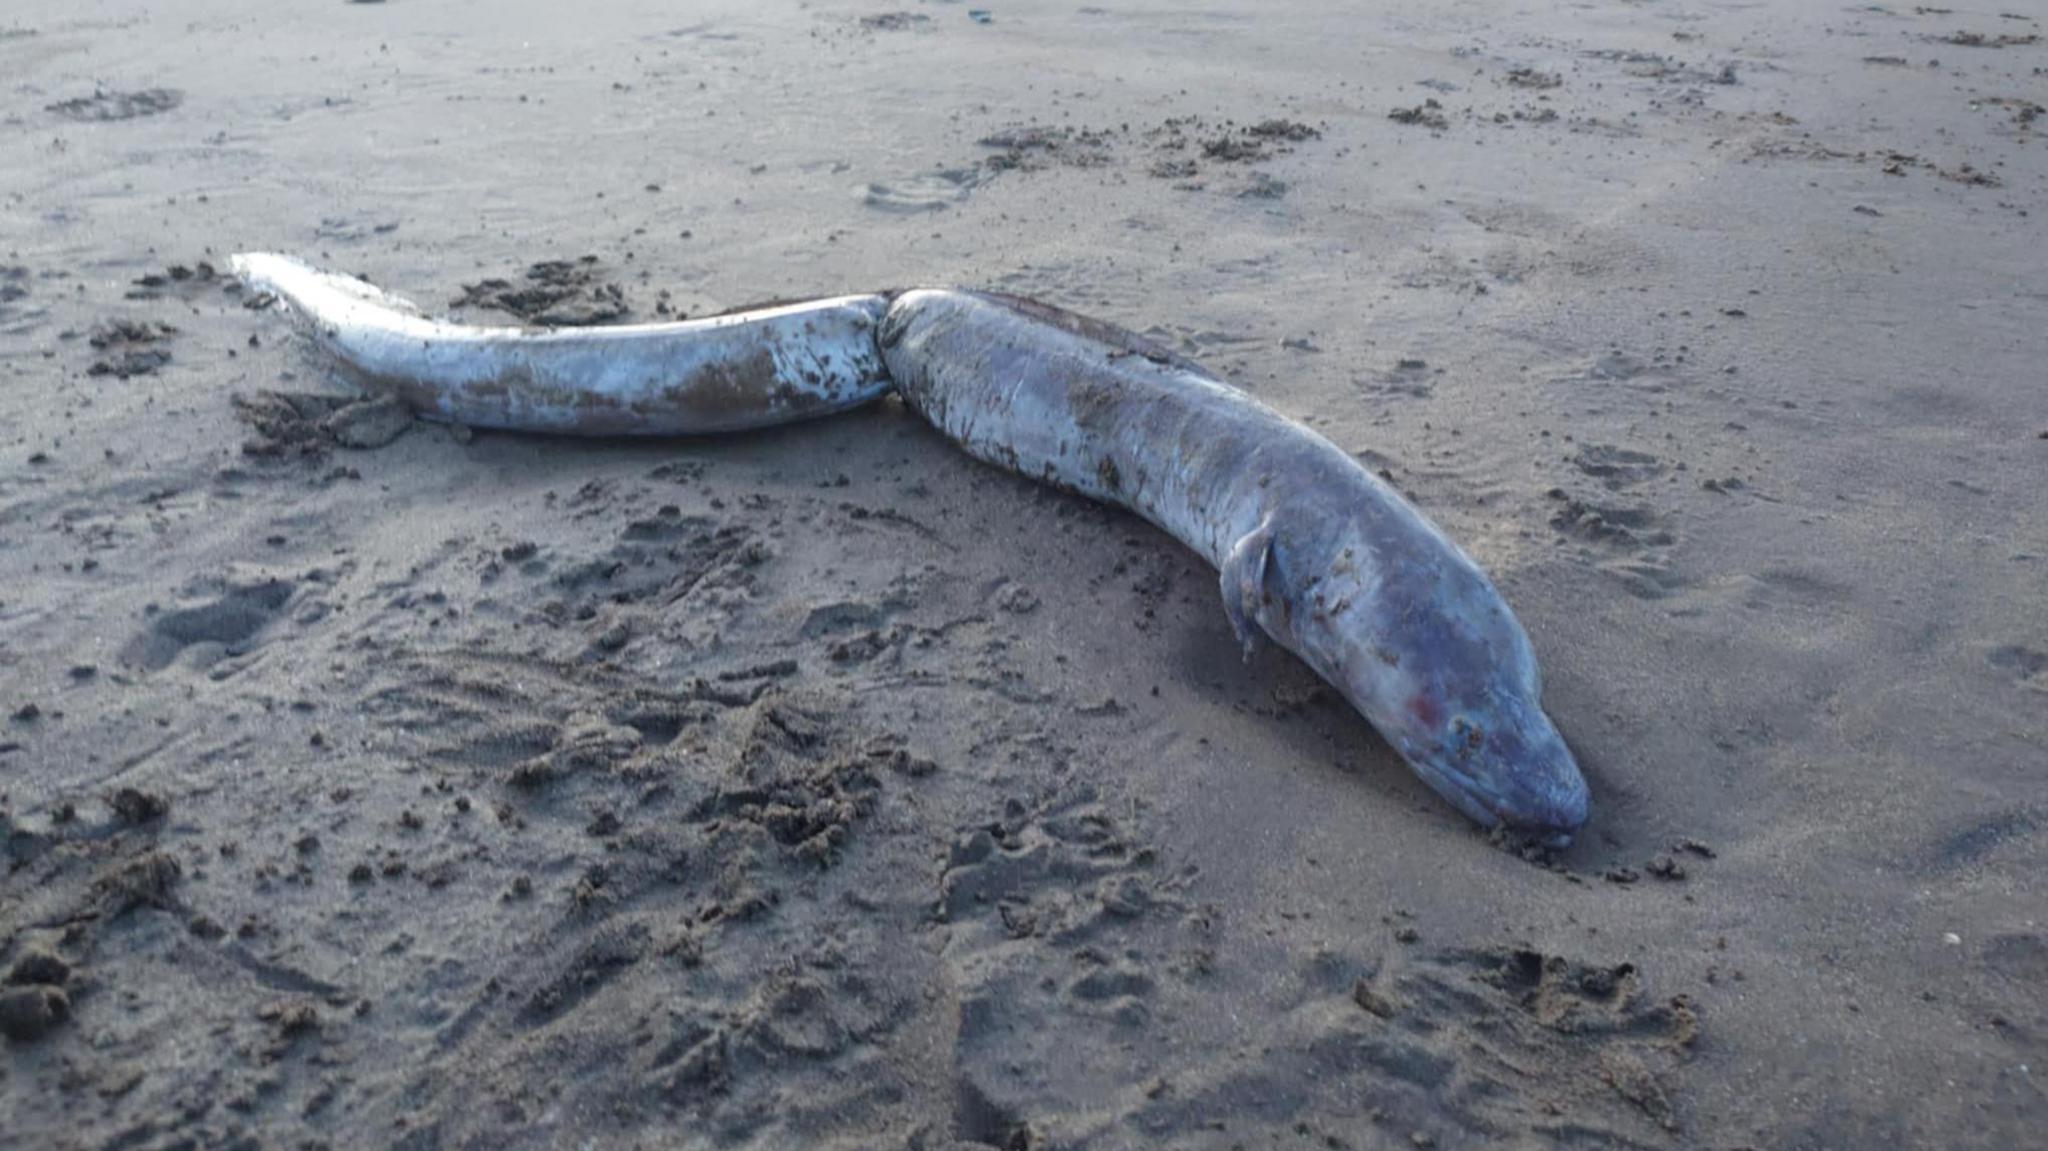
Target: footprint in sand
660,561
1455,1048
1627,540
928,192
1627,526
225,625
105,107
13,290
1617,467
2027,665
1970,845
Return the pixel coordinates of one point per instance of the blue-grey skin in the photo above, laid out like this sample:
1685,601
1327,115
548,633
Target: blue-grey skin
1313,549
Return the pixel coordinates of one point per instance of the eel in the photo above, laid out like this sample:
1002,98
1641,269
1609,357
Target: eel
1313,551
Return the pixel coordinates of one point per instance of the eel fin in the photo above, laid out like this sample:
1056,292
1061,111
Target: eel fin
1244,583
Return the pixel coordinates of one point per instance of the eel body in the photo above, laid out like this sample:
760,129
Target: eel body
1313,550
721,374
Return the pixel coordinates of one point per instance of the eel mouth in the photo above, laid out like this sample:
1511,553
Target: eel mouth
1532,788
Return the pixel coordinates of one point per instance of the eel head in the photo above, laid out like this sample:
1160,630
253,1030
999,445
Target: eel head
1426,649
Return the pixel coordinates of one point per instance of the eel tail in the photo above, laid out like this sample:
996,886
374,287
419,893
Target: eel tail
731,372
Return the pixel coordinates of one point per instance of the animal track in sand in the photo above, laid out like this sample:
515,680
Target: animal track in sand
1410,378
1617,467
663,976
13,289
2018,955
531,722
1630,527
1030,869
2027,665
224,625
1450,1047
105,106
1629,541
1634,372
1066,872
922,192
894,21
1971,845
659,562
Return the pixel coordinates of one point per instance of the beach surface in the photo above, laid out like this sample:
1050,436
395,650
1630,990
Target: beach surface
374,783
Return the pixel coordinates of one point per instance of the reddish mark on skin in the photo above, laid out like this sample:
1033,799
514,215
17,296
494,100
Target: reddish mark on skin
1426,710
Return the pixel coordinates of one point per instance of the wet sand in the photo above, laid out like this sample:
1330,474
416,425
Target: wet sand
366,783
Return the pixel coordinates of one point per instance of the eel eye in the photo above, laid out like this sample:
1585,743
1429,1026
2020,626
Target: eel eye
1469,736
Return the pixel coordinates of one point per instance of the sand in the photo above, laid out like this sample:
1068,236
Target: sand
369,783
